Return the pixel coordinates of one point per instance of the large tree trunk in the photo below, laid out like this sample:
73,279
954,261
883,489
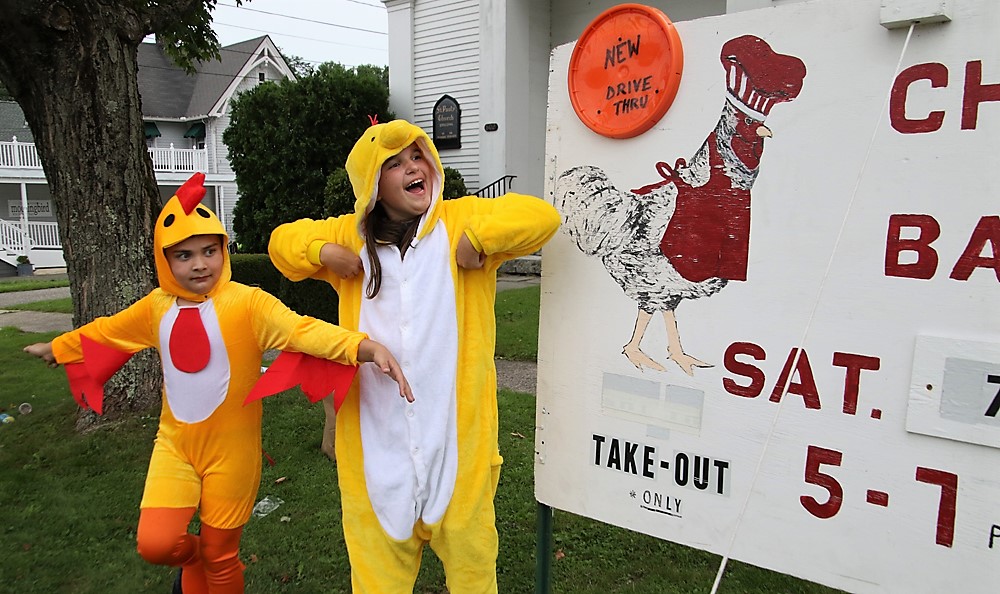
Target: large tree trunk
72,66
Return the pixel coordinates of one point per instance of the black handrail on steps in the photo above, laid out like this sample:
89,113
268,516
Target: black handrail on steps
497,188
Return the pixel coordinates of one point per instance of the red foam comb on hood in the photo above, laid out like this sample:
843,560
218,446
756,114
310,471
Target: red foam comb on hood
191,193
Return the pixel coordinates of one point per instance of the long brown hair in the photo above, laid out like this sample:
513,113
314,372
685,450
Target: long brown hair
379,230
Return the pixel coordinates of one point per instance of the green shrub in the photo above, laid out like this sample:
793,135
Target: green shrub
338,195
308,297
256,270
454,184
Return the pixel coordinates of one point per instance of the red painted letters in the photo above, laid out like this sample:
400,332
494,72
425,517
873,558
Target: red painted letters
974,93
987,232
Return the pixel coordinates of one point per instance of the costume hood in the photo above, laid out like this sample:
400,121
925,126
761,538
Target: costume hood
376,145
184,216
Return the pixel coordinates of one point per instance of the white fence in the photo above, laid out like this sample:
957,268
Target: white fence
41,244
22,155
40,235
44,235
11,236
183,160
19,155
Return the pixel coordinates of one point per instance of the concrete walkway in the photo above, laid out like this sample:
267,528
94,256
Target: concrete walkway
34,321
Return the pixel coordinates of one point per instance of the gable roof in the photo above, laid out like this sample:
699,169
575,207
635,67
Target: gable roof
164,87
170,93
167,91
12,123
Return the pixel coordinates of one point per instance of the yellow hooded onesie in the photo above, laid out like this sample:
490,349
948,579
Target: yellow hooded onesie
208,445
424,471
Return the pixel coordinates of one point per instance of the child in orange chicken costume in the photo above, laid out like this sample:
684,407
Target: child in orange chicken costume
424,472
211,333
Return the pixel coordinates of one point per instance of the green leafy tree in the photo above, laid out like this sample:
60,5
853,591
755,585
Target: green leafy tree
286,138
299,65
71,66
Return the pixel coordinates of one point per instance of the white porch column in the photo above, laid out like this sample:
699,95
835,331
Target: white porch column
526,90
493,84
401,57
24,218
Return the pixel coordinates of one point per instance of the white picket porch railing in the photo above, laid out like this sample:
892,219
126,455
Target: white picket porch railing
22,155
11,237
179,160
41,243
19,155
40,235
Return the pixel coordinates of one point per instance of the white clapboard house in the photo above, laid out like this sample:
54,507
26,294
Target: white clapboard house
185,116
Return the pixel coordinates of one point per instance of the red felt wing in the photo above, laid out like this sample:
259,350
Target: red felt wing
318,377
87,379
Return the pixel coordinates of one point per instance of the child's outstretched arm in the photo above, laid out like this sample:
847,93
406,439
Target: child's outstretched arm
42,350
371,351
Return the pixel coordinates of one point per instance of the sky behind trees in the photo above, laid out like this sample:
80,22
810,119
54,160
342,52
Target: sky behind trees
350,32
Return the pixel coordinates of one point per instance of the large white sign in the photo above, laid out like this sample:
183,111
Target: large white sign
771,324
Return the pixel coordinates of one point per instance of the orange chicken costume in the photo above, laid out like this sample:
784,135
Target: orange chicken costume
426,471
207,452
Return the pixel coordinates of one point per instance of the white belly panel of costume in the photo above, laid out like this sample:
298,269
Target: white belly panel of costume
193,397
411,450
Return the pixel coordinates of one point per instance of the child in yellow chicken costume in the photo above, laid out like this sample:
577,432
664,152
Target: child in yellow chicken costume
211,333
426,471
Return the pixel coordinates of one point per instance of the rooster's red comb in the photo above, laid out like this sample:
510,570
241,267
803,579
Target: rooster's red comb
191,193
373,119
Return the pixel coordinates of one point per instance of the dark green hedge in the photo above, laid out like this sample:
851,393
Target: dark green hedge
308,297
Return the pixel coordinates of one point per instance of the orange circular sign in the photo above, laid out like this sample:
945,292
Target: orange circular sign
625,70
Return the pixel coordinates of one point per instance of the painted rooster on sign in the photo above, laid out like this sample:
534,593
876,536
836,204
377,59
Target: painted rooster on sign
687,235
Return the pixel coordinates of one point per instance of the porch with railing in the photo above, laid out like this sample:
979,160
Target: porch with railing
37,240
22,155
19,155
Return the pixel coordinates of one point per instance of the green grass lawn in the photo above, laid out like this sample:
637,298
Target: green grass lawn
517,324
71,502
51,306
31,283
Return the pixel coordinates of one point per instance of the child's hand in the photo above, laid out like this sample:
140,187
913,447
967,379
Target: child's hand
340,260
467,256
42,350
375,352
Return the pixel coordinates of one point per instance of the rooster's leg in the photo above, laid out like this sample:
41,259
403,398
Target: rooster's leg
674,349
329,429
632,350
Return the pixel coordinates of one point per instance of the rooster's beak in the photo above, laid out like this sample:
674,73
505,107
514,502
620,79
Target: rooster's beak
764,132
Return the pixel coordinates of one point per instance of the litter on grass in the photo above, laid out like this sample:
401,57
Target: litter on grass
266,506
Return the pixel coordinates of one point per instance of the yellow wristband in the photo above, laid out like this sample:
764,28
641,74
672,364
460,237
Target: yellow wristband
474,241
312,252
